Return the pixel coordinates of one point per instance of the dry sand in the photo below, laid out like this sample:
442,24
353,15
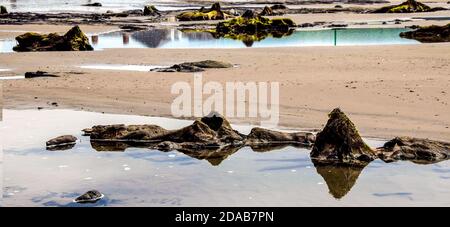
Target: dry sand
386,90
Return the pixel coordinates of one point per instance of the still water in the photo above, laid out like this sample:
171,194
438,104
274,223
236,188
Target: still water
33,176
173,38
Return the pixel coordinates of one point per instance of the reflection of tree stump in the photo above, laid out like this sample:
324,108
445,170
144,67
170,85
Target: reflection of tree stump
339,179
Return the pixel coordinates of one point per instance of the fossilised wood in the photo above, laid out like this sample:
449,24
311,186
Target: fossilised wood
340,143
421,151
197,66
29,75
91,196
61,143
265,136
410,6
214,13
429,34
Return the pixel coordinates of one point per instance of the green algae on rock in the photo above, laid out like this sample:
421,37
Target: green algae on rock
73,40
429,34
340,143
214,13
3,10
410,6
151,10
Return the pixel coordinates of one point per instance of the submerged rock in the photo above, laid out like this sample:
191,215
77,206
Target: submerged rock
3,10
29,75
73,40
265,136
410,6
429,34
340,143
214,13
61,142
198,66
422,151
151,10
91,196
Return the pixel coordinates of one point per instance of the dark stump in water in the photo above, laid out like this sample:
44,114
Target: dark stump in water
61,142
265,136
91,196
3,10
95,4
340,143
429,34
421,151
73,40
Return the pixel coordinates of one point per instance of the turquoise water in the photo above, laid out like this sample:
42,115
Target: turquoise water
173,38
33,176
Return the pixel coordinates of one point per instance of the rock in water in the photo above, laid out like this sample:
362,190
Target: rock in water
214,13
151,10
429,34
422,151
410,6
61,142
3,10
91,196
340,143
73,40
260,135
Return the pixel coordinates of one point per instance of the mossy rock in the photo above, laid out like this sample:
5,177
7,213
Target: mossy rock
410,6
340,143
214,13
151,10
3,10
429,34
73,40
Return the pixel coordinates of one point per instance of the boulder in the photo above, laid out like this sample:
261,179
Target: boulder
214,13
151,10
429,34
198,66
95,4
410,6
91,196
30,75
340,143
3,10
61,142
266,136
422,151
73,40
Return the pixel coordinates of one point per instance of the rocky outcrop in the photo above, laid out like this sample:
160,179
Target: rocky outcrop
61,143
421,151
198,66
91,196
410,6
214,13
340,143
73,40
37,74
3,10
151,10
250,28
429,34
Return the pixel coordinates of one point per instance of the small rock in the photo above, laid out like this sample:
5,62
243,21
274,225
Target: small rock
61,141
338,7
91,196
95,4
29,75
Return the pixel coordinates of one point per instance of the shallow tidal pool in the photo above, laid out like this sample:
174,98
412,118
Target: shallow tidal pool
34,176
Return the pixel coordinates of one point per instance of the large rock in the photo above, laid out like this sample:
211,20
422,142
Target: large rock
198,66
340,143
410,6
3,10
214,13
151,10
61,142
422,151
73,40
429,34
